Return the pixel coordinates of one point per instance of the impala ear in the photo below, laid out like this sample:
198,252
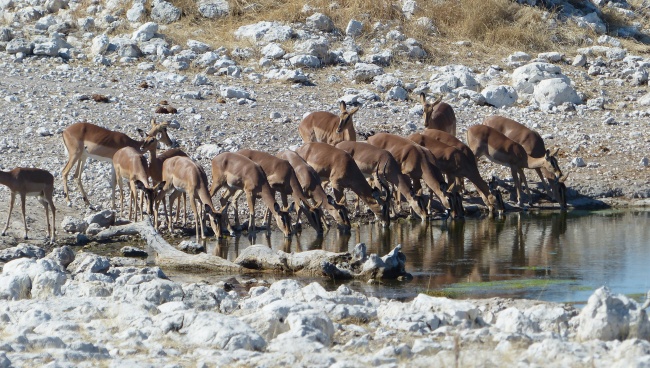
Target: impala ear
139,185
276,207
142,133
153,122
556,150
353,110
423,98
437,101
342,106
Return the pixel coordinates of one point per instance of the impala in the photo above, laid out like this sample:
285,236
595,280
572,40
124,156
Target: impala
323,126
418,163
237,172
532,143
30,182
312,187
130,164
183,175
486,141
438,115
83,140
454,163
371,159
451,140
338,167
283,180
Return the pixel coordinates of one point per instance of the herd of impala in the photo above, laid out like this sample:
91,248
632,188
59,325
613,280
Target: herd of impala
382,171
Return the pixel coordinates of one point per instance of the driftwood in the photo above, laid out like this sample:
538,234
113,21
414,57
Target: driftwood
334,265
167,256
262,258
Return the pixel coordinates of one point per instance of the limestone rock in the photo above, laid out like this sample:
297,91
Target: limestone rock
500,96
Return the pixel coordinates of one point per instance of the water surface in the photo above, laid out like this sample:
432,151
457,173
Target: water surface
550,256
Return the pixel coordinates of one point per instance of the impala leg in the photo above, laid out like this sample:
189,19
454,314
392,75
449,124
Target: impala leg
250,197
72,159
196,219
523,179
515,177
172,197
11,207
80,169
50,202
22,207
46,207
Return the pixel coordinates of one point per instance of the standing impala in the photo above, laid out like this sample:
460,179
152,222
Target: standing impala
454,163
237,172
371,160
312,187
438,115
183,175
418,163
83,140
338,167
30,182
534,146
282,179
486,141
323,126
130,164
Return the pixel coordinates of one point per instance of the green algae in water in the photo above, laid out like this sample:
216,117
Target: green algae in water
500,287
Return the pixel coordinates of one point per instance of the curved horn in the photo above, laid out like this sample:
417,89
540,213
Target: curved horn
434,103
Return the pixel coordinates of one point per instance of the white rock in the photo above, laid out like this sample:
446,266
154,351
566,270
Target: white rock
265,31
136,13
99,45
397,93
198,46
320,22
164,12
518,57
233,92
214,330
555,91
19,45
552,57
287,75
354,28
89,263
103,218
273,51
578,162
579,61
513,320
208,150
214,8
308,61
644,162
22,250
318,47
591,21
500,96
74,225
364,72
526,77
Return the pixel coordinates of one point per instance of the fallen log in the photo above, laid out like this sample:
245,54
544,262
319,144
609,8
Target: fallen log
334,265
167,256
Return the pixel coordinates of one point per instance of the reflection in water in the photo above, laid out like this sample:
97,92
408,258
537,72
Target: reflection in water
589,248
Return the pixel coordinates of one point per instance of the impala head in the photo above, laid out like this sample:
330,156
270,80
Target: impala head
150,194
215,218
428,108
345,117
551,163
559,190
384,208
283,219
418,204
159,130
495,199
340,213
455,204
315,217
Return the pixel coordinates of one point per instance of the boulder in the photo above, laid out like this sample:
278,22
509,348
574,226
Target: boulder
137,12
287,75
273,51
233,92
364,72
213,8
63,255
526,77
19,45
591,21
500,96
555,91
99,45
145,32
89,263
265,32
22,250
354,28
308,61
104,218
215,330
164,12
320,22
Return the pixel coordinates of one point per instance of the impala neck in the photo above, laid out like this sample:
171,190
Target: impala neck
268,199
534,163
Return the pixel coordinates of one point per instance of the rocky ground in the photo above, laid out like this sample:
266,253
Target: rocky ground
591,102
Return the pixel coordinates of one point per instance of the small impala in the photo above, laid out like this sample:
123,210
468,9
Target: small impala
30,182
419,164
486,141
182,175
454,163
312,187
282,179
323,126
371,160
339,169
237,172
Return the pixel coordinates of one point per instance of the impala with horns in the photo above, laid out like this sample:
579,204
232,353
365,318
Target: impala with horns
182,175
533,143
30,182
438,115
312,187
419,164
237,172
373,160
130,164
338,167
455,164
83,140
486,141
283,180
323,126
